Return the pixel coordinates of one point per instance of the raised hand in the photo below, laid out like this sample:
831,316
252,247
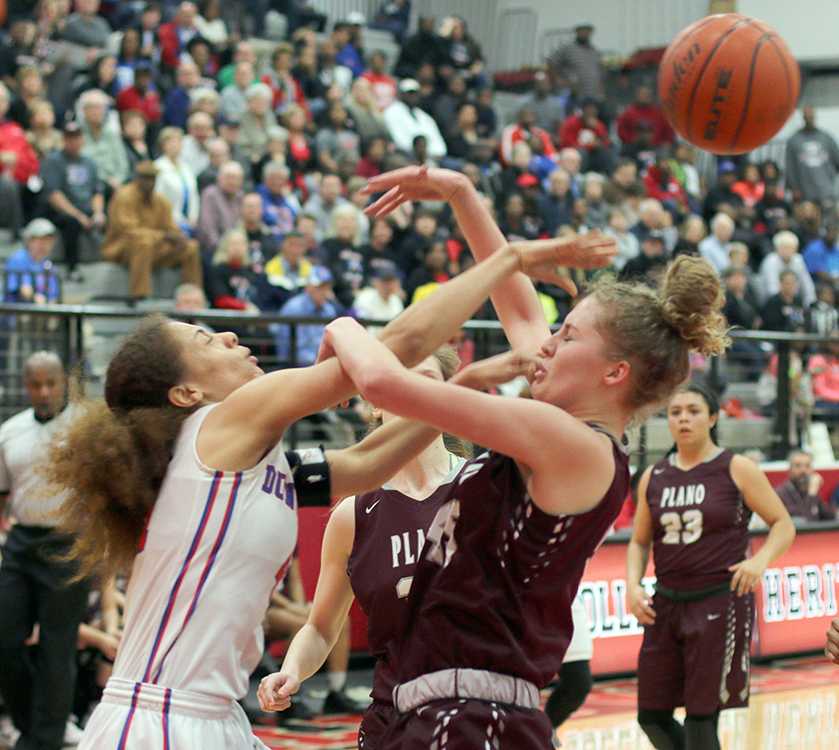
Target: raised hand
543,259
411,184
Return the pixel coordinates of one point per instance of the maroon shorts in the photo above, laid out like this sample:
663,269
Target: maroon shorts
374,722
696,654
460,724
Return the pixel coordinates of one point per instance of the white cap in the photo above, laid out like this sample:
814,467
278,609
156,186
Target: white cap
356,18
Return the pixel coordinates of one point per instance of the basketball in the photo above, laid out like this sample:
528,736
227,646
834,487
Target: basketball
728,83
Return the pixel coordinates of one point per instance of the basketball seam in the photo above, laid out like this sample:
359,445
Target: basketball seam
783,58
749,83
691,99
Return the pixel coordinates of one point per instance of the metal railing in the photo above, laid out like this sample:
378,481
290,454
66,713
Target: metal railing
86,336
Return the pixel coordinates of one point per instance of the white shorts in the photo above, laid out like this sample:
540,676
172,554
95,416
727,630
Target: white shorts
141,716
581,647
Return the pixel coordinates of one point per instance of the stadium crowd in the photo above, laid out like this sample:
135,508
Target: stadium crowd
183,137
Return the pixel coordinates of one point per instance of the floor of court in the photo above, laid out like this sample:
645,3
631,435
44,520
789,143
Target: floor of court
794,705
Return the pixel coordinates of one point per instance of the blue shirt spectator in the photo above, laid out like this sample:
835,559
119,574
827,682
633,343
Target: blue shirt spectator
316,301
28,274
821,256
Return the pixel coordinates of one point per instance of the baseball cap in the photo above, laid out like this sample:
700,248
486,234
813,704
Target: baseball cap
356,18
407,85
319,276
231,121
71,127
584,25
655,234
726,166
39,228
143,66
385,270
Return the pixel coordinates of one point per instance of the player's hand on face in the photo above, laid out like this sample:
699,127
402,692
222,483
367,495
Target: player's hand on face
640,605
502,368
832,648
275,691
411,184
747,575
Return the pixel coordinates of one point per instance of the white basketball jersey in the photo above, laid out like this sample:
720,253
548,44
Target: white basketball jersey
215,546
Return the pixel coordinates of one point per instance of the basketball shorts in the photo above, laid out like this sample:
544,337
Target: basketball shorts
141,716
468,724
696,654
374,722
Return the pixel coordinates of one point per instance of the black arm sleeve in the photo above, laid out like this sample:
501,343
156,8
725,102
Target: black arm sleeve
310,472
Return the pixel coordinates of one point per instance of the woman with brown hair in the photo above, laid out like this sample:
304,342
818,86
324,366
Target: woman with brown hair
489,613
180,474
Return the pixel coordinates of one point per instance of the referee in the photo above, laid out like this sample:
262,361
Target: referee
37,684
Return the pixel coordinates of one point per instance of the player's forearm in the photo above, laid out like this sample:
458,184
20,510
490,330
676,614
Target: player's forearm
429,324
307,652
780,538
515,298
637,556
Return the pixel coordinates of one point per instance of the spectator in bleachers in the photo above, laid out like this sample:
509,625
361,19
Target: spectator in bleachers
579,63
306,72
372,162
85,26
42,134
321,204
149,23
379,250
315,301
383,299
683,167
800,493
523,130
134,139
202,54
234,100
393,16
211,24
143,235
361,106
232,282
256,121
822,316
128,57
691,233
738,257
722,192
284,87
739,310
142,96
286,272
786,257
807,222
200,131
644,110
190,298
433,272
30,91
812,162
628,247
641,150
332,73
461,51
547,105
623,176
341,252
18,162
518,220
447,103
462,137
177,104
220,207
423,46
175,35
660,183
262,242
773,212
218,152
102,144
821,255
487,116
714,248
74,194
383,84
785,310
301,157
280,204
597,210
824,370
346,36
649,262
28,273
176,181
336,139
405,121
750,187
102,76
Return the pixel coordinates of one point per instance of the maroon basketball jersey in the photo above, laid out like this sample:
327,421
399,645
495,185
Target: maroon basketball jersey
494,586
390,531
700,523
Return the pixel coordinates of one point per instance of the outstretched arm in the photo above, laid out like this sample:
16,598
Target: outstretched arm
571,477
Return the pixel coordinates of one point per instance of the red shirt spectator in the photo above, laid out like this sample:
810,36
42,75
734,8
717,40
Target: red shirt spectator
175,35
643,110
140,96
383,85
285,88
524,130
751,187
660,184
583,131
16,154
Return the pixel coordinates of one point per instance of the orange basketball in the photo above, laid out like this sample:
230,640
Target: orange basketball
728,83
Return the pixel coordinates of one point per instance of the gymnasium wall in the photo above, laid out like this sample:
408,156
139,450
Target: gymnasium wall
808,26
